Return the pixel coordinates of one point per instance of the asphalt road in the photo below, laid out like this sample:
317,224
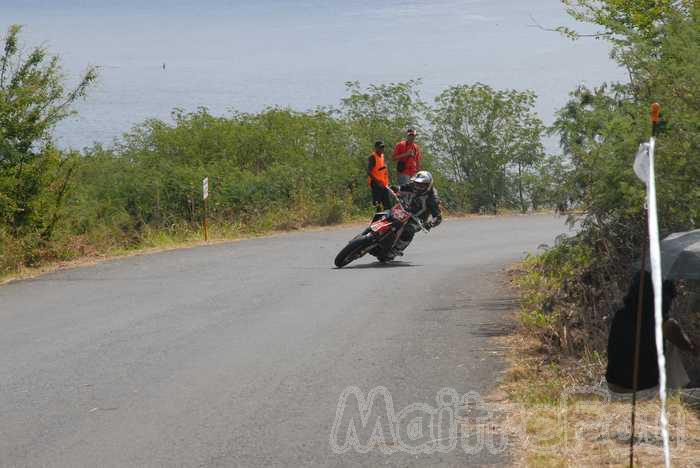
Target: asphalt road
237,354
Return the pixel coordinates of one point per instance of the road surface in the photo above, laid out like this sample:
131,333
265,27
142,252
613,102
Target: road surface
237,354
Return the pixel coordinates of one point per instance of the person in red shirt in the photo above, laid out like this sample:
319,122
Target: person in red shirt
408,155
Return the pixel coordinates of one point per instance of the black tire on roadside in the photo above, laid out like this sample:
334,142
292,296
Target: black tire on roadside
355,249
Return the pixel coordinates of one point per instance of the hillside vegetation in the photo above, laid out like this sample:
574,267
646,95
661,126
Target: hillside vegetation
571,290
276,169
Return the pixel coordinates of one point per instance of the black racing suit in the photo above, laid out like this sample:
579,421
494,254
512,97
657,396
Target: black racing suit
421,206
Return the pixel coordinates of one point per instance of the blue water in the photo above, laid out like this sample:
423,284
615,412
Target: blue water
247,55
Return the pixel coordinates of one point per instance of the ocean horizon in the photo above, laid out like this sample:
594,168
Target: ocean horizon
239,56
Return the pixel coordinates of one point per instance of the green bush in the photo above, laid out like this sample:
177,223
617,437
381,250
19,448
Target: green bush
572,289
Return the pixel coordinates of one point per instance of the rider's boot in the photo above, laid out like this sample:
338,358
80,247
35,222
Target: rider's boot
399,247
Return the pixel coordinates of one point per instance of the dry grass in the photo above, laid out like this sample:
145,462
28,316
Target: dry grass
561,411
559,414
553,422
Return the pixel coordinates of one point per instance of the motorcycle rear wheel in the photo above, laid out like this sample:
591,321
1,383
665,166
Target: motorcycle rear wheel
355,249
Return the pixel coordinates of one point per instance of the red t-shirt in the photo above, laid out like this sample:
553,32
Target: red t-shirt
411,163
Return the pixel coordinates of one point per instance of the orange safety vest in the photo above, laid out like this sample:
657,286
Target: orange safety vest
379,171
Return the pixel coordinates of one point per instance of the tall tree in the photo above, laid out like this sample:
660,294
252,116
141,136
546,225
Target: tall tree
33,99
381,112
487,140
600,128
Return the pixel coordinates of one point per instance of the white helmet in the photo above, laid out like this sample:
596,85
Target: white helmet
422,181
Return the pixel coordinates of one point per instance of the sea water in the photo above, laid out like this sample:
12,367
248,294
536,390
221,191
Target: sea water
157,55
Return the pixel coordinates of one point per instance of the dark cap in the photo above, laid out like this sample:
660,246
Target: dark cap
379,144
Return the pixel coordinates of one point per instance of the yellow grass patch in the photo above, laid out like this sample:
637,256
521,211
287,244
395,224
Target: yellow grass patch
554,422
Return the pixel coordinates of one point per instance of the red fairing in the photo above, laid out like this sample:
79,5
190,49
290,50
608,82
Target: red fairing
397,212
381,226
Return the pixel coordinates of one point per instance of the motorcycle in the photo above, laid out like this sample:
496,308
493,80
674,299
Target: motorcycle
380,237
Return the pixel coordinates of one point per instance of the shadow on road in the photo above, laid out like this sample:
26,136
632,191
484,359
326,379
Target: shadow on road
394,264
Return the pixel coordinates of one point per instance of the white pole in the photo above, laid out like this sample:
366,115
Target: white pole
655,261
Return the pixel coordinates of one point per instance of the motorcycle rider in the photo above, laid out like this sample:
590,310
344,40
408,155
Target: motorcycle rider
421,200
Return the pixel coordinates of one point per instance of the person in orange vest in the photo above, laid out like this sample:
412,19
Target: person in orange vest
378,177
408,156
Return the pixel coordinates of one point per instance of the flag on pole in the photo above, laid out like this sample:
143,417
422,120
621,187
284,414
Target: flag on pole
641,163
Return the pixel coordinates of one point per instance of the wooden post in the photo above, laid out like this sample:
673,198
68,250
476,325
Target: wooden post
637,339
205,196
206,221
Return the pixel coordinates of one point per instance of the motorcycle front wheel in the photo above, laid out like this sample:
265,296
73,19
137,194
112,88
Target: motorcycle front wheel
355,249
